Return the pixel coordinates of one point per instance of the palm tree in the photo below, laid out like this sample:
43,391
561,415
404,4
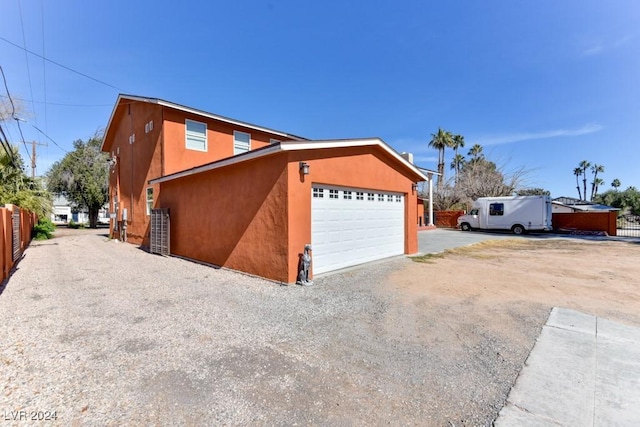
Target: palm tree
457,142
457,164
577,172
476,153
596,168
615,184
584,165
441,140
597,182
17,188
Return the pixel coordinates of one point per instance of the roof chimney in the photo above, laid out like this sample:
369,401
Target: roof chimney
407,156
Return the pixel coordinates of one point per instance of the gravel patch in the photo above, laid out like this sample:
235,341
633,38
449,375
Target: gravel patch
104,333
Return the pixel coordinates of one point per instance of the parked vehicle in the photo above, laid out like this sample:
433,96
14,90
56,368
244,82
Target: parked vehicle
516,213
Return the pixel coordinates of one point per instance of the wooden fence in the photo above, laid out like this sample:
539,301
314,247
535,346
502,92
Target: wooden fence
14,238
447,219
585,221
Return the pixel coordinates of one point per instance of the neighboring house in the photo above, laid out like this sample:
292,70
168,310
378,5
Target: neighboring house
250,198
61,210
63,213
569,204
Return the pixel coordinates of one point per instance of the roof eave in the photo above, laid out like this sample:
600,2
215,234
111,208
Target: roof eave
294,146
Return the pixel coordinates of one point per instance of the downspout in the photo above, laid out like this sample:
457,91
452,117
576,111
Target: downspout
430,176
161,142
131,143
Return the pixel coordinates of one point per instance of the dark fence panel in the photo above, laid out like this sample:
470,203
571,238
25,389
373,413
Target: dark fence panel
629,225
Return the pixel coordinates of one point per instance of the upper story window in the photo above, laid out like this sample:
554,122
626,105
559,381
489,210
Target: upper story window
241,142
196,135
274,141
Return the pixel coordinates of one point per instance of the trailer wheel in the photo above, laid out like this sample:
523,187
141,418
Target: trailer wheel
465,226
518,229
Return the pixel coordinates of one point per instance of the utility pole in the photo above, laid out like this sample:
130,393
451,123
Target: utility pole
33,157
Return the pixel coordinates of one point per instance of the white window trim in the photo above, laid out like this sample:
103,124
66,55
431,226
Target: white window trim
237,132
186,141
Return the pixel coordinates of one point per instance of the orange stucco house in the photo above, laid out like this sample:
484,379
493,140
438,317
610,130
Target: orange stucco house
250,198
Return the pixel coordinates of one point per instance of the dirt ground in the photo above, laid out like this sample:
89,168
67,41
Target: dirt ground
107,334
598,277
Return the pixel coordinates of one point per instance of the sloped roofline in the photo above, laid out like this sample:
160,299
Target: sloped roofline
195,111
294,146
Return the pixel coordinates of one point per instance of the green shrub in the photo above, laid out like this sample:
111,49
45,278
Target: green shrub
76,225
44,229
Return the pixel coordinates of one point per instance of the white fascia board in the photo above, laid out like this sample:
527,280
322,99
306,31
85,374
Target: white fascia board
196,112
223,119
346,143
113,113
270,149
291,146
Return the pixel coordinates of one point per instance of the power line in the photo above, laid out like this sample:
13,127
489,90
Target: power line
44,68
48,137
13,110
7,148
26,57
62,66
59,104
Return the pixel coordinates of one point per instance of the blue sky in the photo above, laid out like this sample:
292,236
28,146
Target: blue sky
540,85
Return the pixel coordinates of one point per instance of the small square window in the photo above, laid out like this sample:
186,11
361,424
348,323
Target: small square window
346,195
370,196
333,194
380,197
359,195
398,199
318,193
389,198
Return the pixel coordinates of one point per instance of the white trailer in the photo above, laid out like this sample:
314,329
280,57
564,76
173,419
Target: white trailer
516,213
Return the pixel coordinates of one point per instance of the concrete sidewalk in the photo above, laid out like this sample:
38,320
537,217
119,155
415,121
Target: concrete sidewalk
582,371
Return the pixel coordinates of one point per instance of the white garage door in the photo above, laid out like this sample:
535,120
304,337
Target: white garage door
351,226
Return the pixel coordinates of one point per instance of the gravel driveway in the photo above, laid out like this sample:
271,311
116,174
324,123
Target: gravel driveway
104,333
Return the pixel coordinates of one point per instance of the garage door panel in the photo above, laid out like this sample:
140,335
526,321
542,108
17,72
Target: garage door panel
349,231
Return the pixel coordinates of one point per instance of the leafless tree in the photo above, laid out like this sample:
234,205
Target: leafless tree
481,178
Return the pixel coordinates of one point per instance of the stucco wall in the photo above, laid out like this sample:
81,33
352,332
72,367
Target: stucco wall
136,164
27,221
255,216
420,218
5,240
219,141
361,167
234,216
158,153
